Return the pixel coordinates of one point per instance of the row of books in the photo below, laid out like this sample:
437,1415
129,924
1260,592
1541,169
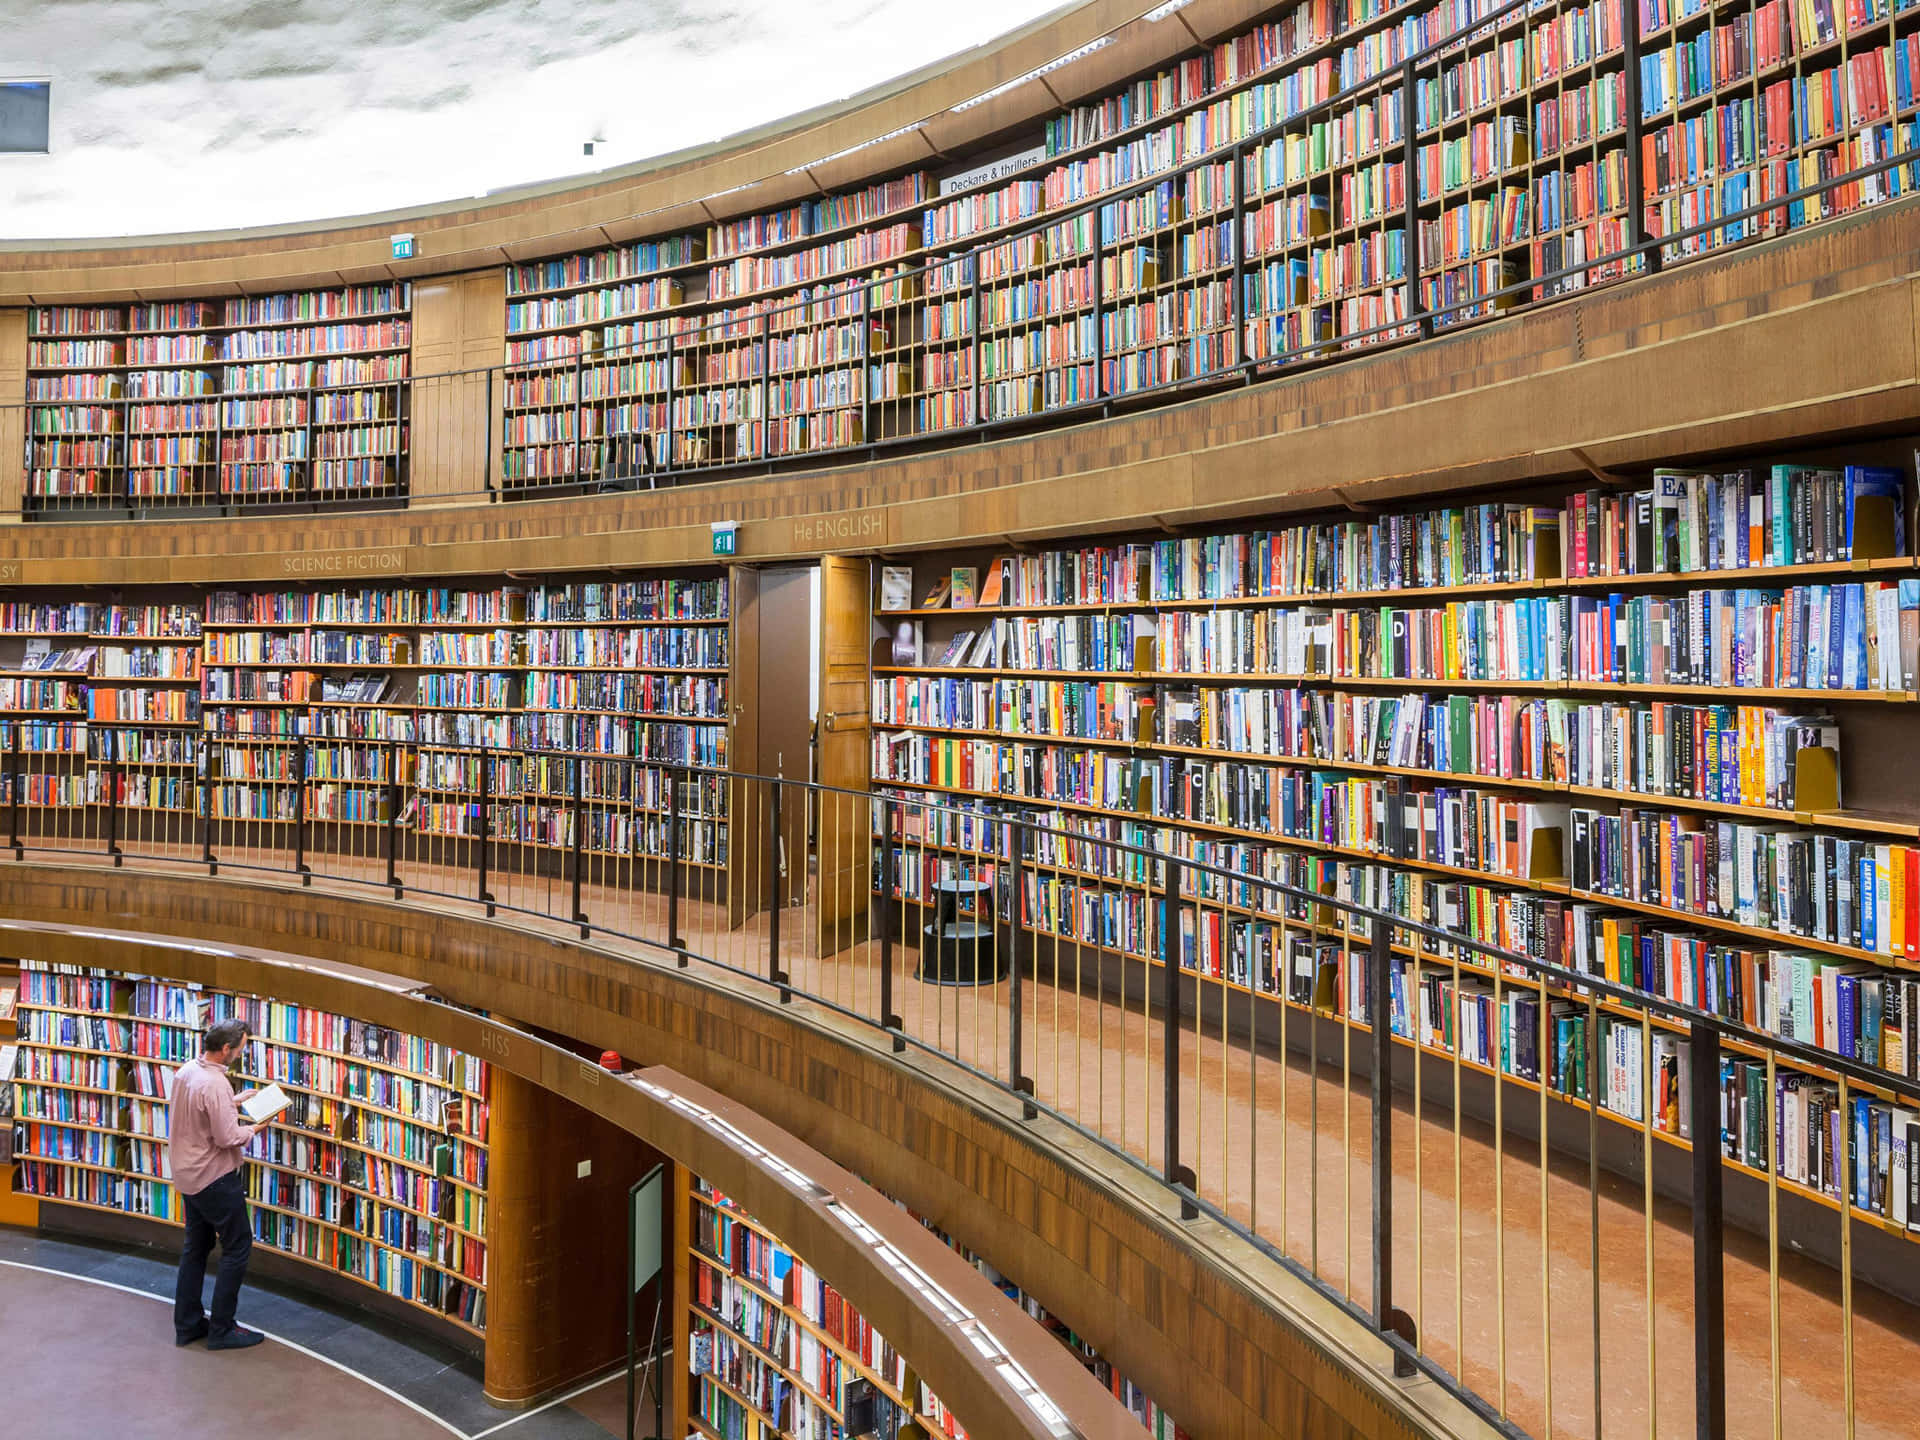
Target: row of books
1856,1010
781,1341
1858,894
1732,755
1851,637
1688,522
1751,874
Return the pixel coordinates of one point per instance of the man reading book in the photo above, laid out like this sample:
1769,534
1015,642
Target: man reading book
206,1138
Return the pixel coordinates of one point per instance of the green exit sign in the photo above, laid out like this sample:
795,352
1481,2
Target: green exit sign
724,539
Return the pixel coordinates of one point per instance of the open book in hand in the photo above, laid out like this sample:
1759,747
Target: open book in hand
263,1105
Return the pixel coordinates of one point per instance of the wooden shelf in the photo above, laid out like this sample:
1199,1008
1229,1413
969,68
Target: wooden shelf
412,1127
1905,827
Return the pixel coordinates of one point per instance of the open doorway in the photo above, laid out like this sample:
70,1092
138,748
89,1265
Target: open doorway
811,687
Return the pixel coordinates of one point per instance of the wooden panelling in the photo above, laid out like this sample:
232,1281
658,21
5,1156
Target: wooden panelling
556,1307
751,169
1809,335
698,1126
13,419
460,325
1224,1338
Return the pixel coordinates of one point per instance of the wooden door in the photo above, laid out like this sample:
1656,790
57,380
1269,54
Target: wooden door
746,802
842,843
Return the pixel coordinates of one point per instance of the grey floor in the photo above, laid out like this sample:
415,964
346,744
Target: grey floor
439,1379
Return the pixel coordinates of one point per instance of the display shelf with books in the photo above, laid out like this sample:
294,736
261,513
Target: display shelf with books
345,696
1281,195
395,683
376,1169
769,1343
15,1209
689,352
296,397
1230,699
95,687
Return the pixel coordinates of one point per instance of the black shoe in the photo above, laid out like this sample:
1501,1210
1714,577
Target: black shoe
199,1332
236,1339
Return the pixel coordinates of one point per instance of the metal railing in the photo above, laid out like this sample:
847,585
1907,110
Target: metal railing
1421,209
1521,1181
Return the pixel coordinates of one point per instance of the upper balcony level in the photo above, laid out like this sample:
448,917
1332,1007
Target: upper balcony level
1229,196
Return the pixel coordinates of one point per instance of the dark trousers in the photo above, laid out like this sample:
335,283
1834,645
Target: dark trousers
218,1212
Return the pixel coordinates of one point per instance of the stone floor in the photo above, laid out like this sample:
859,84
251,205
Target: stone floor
88,1331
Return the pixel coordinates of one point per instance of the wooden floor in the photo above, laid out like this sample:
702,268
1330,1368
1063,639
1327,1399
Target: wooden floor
1494,1260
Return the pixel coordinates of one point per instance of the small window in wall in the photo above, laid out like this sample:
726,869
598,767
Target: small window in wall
24,107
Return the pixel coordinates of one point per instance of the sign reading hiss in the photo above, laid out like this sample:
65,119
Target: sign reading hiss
725,533
402,246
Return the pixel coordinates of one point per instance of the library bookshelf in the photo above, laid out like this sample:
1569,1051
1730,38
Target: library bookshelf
769,1343
1320,182
301,396
770,1347
754,340
270,716
377,1172
1607,730
15,1209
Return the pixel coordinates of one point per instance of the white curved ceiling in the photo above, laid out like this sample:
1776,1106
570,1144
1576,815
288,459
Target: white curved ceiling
186,115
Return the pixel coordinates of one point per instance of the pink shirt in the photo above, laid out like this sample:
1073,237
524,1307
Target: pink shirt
204,1126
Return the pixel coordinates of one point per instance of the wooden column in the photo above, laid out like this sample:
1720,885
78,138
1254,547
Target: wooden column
13,418
459,331
556,1265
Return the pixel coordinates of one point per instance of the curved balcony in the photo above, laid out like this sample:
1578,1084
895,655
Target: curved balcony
1168,1143
1139,293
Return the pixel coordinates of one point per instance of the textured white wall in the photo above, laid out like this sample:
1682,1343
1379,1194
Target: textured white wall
173,115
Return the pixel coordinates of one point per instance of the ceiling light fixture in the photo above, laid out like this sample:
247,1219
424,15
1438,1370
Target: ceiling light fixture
1161,12
852,149
1034,74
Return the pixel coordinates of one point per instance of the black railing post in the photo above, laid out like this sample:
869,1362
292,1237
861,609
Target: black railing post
14,779
204,770
220,445
113,800
776,973
674,942
866,356
1386,1318
579,440
487,438
1021,1081
126,453
889,813
766,420
486,815
393,818
311,460
1636,179
1410,194
974,416
577,842
1709,1265
1176,1174
667,463
1099,312
1237,308
300,811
